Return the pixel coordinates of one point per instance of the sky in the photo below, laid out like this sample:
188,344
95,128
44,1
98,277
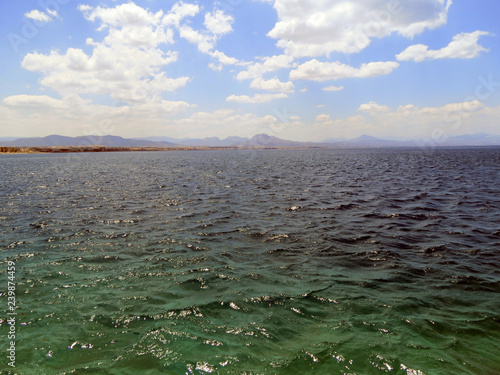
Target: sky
294,69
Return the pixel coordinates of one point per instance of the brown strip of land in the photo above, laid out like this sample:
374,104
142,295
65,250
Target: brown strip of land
68,149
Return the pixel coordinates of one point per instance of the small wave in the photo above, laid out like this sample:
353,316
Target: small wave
103,259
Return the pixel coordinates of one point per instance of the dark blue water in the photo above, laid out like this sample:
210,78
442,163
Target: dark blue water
253,262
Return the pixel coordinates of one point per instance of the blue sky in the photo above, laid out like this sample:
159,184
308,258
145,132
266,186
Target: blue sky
295,69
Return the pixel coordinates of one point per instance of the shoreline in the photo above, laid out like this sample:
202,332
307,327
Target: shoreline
4,150
85,149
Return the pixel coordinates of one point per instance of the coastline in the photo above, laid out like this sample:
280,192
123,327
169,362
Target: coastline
79,149
4,150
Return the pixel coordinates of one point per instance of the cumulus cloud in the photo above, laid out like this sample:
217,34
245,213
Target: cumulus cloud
73,114
40,16
463,46
33,101
333,88
223,58
267,64
129,24
257,98
373,107
205,42
127,64
323,117
218,22
128,14
215,67
273,85
125,73
73,104
411,121
306,28
222,122
178,12
315,70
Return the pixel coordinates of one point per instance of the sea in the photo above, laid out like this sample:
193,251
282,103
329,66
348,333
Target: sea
312,261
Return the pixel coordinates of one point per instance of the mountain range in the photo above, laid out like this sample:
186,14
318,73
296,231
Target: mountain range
259,140
59,140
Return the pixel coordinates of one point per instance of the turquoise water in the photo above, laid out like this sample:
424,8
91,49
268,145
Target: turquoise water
253,262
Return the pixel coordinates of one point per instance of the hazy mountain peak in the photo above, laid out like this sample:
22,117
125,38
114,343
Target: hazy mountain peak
366,137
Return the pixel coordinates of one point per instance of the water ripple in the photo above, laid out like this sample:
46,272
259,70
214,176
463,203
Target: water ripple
239,262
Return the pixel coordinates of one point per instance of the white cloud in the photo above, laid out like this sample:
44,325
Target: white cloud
33,101
463,46
306,28
178,12
269,64
125,73
204,42
412,122
215,67
73,115
40,16
273,85
223,59
315,70
323,117
123,15
129,24
72,105
221,123
127,64
333,88
406,112
218,22
257,98
373,107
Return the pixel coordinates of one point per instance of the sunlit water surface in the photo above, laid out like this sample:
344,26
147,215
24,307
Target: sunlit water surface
254,262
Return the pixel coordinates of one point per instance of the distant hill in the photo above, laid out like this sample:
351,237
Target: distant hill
8,139
107,140
264,140
335,140
367,141
478,139
259,140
